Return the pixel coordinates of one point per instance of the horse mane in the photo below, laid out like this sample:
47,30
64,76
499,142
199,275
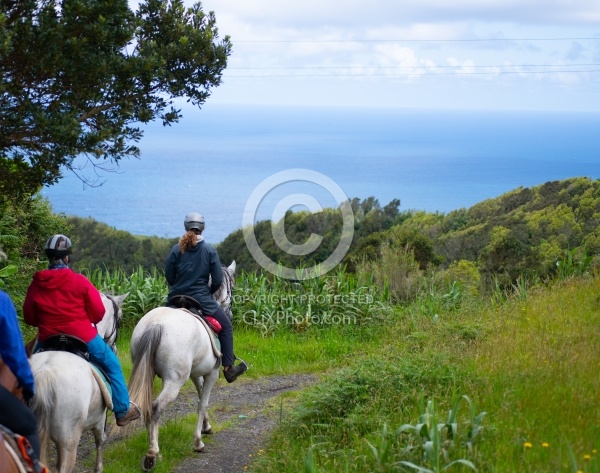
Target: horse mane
116,322
109,326
224,294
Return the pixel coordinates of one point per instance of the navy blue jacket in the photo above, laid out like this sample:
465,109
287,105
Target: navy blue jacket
12,348
188,274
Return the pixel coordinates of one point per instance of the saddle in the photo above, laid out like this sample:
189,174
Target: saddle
193,306
65,342
71,344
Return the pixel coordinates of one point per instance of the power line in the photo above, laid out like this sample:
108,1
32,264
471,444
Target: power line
416,73
411,67
411,40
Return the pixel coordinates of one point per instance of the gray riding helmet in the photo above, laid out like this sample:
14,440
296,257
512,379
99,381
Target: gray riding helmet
193,220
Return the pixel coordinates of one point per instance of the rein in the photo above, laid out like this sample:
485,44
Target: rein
224,294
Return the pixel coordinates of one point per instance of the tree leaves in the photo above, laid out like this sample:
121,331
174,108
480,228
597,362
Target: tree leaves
78,75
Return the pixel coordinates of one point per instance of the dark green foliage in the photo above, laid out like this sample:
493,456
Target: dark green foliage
99,246
77,75
24,228
525,231
420,244
369,219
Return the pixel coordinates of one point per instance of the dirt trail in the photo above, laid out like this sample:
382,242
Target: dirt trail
242,404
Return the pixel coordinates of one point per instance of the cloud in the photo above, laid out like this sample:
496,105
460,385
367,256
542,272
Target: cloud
360,15
450,53
576,51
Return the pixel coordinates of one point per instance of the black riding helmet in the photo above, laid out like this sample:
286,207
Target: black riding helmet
58,246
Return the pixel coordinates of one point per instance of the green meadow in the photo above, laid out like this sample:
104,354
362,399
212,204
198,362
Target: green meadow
449,381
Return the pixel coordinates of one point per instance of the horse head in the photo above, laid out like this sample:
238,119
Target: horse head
108,327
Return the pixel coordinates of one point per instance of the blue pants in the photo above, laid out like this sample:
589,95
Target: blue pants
101,354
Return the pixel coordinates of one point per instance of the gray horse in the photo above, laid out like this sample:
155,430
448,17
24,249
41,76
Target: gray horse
175,345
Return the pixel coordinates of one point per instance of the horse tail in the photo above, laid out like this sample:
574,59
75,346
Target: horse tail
143,371
41,405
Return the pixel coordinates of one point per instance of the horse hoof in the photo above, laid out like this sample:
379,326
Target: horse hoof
202,449
149,463
209,431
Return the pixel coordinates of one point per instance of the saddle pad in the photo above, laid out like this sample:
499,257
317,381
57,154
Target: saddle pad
216,345
105,387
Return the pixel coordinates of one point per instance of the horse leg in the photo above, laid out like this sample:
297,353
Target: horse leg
67,456
99,437
204,386
169,393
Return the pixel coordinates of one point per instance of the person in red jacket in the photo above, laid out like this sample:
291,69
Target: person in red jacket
59,301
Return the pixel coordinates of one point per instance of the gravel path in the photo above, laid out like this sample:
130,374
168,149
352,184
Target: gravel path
231,449
243,405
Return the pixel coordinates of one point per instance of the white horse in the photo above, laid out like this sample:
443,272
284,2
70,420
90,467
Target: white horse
68,400
175,346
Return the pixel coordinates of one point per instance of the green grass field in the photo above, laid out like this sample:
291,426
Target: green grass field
510,387
529,369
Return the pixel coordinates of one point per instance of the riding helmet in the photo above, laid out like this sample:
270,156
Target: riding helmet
58,246
193,220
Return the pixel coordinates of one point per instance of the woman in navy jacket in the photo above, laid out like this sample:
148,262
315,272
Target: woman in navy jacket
189,266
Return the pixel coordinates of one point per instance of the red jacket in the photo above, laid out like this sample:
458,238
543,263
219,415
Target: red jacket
62,301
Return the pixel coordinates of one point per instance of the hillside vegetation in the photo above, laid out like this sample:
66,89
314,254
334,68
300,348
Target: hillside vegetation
434,346
493,245
520,233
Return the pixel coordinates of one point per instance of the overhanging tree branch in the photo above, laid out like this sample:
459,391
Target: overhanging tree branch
78,75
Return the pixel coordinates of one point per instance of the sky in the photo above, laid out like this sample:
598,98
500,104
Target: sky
519,55
449,54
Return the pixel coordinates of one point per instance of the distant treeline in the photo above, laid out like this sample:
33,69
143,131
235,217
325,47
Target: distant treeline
97,245
524,232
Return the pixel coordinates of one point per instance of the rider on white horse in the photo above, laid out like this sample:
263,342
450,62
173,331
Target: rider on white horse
60,301
189,266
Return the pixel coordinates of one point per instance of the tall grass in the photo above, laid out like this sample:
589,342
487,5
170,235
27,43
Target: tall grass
146,290
540,365
530,364
343,300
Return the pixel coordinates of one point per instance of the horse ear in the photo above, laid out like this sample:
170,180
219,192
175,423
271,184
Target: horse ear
231,267
119,299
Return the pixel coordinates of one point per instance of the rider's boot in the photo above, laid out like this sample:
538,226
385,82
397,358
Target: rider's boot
132,414
232,372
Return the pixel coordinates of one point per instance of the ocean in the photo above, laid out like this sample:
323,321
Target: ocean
237,164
